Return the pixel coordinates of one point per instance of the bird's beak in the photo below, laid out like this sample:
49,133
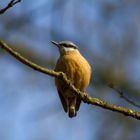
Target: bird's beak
55,43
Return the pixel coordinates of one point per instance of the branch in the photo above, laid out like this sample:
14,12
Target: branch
10,4
60,75
121,93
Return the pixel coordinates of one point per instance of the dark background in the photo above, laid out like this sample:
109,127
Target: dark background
107,33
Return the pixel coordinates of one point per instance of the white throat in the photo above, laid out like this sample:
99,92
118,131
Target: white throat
68,49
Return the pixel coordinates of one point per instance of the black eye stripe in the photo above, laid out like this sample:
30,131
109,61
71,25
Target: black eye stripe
69,46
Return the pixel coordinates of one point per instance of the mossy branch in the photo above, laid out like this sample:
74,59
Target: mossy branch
60,75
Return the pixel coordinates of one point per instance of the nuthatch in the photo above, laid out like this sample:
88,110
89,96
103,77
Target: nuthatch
77,69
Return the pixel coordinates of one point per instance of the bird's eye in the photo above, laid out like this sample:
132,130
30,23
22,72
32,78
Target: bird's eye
64,45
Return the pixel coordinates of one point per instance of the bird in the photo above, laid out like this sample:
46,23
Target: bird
77,70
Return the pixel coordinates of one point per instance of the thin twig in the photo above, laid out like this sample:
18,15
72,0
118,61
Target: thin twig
10,4
84,97
121,93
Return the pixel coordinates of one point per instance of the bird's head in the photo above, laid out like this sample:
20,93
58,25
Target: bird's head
65,46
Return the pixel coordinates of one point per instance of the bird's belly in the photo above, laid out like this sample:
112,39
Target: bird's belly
77,70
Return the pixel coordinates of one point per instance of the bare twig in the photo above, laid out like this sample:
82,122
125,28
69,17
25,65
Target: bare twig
121,94
84,97
10,4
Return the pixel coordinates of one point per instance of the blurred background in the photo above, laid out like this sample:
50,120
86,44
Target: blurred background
107,33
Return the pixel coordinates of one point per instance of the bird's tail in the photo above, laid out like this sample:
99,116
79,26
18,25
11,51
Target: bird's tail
72,111
72,108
